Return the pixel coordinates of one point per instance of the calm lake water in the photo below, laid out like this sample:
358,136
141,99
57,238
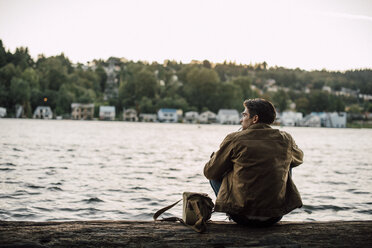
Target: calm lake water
82,170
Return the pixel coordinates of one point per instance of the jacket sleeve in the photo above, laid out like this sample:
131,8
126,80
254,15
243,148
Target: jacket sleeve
220,162
297,154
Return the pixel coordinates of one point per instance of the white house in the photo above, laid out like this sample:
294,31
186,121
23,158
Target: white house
147,117
167,115
337,120
130,115
43,112
2,112
327,89
290,118
207,117
191,116
228,116
107,113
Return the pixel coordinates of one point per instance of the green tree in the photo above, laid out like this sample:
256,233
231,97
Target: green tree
87,96
335,104
53,71
126,94
145,105
31,76
318,101
20,94
21,58
200,88
176,102
184,71
3,57
64,100
102,77
139,83
245,84
7,73
19,91
280,100
86,79
355,109
303,105
367,107
4,96
37,98
145,84
229,95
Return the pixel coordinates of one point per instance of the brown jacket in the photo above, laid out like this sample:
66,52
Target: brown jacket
254,167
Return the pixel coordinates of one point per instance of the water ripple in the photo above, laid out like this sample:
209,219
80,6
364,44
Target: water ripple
93,200
326,207
55,189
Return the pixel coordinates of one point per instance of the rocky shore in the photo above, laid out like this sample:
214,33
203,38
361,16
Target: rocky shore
174,234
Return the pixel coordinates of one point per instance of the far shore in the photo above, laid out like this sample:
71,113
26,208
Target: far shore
355,124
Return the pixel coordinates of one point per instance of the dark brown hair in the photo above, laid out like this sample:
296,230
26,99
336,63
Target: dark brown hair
261,107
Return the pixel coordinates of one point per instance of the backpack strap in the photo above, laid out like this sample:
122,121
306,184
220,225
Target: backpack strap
160,211
199,225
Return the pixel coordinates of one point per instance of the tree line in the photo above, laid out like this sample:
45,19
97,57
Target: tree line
197,86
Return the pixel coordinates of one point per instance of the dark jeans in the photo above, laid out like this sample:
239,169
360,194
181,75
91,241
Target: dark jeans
242,219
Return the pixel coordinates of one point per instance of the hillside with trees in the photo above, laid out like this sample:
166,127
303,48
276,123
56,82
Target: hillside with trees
199,85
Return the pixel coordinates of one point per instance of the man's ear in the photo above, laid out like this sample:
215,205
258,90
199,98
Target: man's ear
255,119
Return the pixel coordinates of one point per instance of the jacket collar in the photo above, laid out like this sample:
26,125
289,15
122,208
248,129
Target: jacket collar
259,126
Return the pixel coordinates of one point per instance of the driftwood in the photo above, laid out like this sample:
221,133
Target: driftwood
174,234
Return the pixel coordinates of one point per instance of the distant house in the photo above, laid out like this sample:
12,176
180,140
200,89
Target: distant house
81,111
130,115
347,92
290,118
337,120
2,112
107,113
207,117
311,121
228,116
167,115
43,112
365,97
147,117
327,89
273,88
191,117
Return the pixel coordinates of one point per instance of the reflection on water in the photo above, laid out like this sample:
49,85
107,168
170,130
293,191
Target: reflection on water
76,170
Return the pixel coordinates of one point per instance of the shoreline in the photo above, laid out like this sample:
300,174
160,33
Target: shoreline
350,125
103,233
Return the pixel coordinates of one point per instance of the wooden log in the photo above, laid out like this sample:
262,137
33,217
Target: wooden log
175,234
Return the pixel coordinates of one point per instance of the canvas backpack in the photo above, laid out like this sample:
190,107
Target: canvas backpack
197,210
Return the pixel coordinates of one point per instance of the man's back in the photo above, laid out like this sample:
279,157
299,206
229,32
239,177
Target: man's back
256,180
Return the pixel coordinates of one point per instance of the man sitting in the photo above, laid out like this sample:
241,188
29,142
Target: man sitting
251,172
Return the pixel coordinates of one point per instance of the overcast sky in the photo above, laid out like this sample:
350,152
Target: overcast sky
335,35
